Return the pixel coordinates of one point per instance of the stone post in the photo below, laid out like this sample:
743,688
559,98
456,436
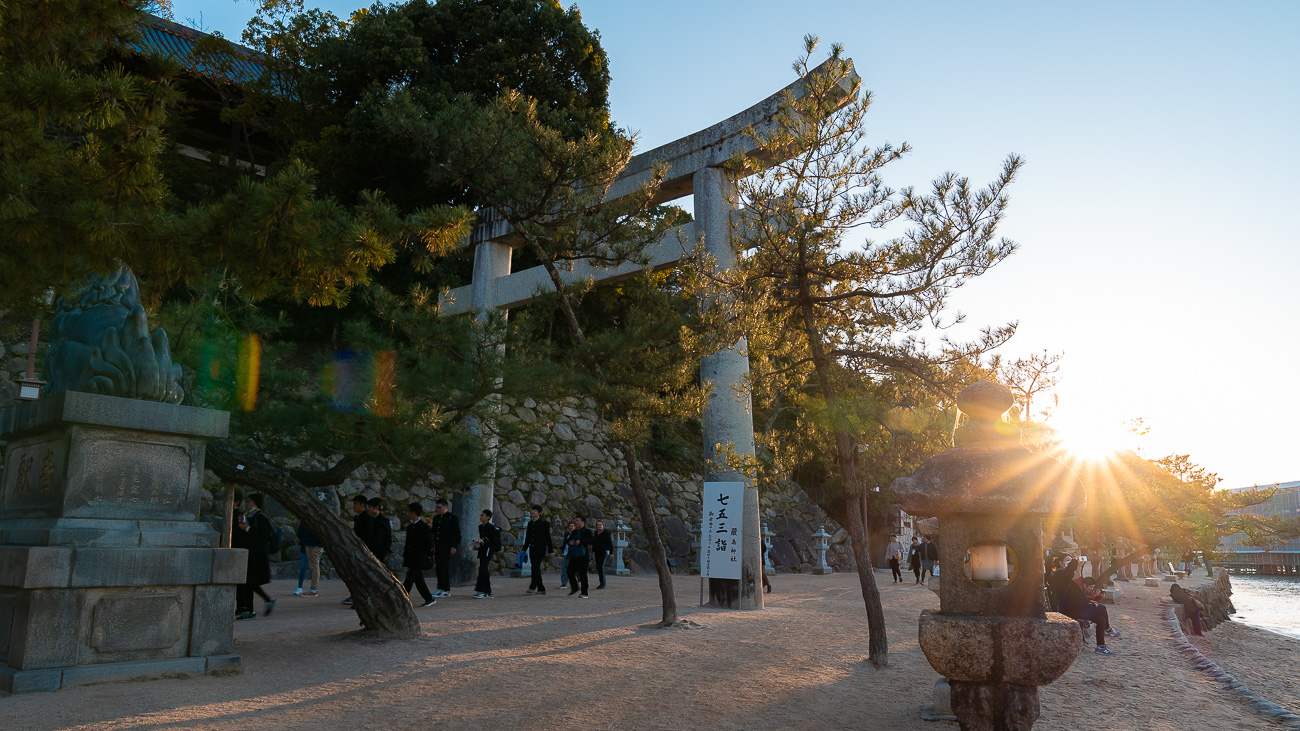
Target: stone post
107,571
697,532
621,532
728,418
491,260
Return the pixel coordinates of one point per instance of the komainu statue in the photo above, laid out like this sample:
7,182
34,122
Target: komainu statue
100,343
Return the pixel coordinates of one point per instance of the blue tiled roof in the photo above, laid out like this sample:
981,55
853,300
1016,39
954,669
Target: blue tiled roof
176,42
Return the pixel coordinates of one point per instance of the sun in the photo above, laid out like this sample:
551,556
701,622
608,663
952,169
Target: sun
1092,438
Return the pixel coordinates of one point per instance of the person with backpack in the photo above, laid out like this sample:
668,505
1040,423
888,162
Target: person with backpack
309,560
260,537
380,541
487,543
417,556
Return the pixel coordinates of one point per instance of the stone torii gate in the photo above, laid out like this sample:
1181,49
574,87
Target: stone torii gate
697,165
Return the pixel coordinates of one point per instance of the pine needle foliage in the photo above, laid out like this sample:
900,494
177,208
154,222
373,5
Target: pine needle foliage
833,320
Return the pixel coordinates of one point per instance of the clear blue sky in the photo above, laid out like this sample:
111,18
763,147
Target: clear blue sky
1155,213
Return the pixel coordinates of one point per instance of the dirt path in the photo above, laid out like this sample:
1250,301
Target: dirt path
552,662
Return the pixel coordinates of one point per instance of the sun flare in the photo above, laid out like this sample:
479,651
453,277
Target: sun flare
1089,438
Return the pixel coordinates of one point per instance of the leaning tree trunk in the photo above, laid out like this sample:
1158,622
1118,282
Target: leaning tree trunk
378,598
877,639
651,527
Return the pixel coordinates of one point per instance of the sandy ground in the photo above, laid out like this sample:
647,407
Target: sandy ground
554,662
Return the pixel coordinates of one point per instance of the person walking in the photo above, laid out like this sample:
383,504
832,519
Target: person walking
309,560
487,543
361,525
255,533
602,544
417,556
380,542
894,556
537,541
929,557
575,550
914,559
446,536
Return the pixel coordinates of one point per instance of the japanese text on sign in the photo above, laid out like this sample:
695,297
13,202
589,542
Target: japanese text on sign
721,540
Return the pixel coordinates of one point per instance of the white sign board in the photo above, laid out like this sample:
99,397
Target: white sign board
721,539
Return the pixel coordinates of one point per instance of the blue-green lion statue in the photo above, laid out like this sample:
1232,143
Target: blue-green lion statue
100,343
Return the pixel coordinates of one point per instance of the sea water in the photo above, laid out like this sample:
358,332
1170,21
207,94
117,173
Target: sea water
1268,602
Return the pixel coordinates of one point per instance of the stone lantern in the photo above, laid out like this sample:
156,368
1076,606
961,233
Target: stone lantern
621,532
821,545
768,567
992,637
523,566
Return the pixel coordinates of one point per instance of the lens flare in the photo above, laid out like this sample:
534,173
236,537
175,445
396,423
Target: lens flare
384,367
249,371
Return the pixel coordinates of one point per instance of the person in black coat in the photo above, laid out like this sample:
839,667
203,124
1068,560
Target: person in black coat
914,558
929,558
380,541
577,548
487,543
602,544
537,541
361,524
254,534
418,554
446,536
1073,603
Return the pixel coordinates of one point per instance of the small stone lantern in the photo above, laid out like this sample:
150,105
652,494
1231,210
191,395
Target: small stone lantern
524,565
992,637
621,531
821,545
768,567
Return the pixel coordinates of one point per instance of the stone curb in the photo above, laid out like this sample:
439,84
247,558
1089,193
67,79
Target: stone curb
1200,662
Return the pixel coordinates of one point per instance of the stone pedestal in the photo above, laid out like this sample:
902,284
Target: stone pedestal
105,571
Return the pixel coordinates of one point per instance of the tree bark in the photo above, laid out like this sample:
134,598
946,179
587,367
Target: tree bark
227,514
378,598
877,639
651,527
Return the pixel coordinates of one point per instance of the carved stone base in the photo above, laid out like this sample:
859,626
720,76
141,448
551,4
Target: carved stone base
994,706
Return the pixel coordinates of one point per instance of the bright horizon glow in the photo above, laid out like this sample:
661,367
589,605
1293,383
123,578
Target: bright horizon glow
1160,148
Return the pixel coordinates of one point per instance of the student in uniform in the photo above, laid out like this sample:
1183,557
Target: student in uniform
487,544
418,554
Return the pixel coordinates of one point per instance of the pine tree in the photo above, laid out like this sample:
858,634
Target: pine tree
830,314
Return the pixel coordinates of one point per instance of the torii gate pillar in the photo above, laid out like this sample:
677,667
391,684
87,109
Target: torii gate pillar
728,416
491,262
